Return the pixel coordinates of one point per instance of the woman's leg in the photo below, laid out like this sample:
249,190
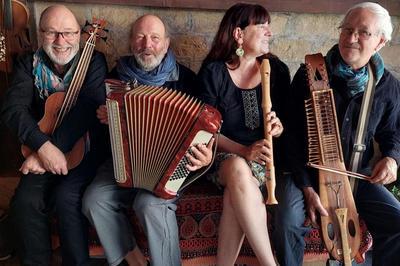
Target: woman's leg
230,234
245,210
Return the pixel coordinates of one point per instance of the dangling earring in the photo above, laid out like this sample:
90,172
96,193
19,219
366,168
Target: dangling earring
239,51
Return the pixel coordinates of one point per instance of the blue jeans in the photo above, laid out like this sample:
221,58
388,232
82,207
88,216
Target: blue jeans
375,205
105,204
35,198
289,215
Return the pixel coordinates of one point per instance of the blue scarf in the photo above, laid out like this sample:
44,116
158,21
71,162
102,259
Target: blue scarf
168,70
46,80
356,80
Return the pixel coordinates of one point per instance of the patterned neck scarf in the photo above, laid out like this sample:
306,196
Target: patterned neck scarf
46,80
168,70
356,79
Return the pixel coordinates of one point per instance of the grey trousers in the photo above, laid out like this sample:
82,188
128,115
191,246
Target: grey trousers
104,204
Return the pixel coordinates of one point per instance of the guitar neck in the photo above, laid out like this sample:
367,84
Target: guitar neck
77,79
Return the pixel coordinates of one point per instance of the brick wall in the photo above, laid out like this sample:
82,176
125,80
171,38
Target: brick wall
192,32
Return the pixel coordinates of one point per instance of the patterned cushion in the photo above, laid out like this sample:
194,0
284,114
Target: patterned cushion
198,214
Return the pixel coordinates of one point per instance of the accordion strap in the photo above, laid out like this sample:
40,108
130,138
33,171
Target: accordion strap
359,146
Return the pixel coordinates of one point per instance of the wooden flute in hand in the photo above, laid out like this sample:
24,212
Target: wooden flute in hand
266,107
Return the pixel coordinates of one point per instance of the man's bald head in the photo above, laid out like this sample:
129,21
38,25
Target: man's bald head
60,34
57,11
149,19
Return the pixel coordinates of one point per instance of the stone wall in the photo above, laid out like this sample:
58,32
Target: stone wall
192,32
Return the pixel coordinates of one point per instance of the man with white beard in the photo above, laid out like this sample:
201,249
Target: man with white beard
104,203
46,184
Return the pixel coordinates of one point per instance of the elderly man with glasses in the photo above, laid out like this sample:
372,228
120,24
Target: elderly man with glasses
47,184
365,29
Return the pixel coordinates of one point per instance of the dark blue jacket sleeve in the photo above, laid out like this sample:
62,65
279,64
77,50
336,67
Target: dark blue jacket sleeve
388,130
22,107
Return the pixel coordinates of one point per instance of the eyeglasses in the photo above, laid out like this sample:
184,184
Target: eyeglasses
67,35
360,34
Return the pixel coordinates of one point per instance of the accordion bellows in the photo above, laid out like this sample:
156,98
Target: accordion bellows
151,130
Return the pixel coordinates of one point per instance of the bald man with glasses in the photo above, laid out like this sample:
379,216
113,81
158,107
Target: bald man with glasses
47,185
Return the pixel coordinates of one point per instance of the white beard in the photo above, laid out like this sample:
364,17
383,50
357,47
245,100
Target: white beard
148,65
59,60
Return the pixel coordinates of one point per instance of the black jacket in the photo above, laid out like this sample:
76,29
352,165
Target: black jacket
383,124
23,108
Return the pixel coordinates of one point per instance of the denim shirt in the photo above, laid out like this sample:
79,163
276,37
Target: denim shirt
383,124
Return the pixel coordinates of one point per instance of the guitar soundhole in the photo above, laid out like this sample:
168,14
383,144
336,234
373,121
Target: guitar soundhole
352,228
331,231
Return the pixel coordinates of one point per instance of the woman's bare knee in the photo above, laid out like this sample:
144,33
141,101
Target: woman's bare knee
234,168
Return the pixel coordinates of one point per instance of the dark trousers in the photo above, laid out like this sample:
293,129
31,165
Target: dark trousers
375,205
36,197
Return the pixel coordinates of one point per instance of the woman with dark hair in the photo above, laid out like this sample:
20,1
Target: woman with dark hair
230,80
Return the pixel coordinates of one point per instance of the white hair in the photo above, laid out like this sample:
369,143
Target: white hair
385,26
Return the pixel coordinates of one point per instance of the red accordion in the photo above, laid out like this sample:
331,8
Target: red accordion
151,130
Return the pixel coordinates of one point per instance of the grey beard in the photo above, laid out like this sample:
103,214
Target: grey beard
148,66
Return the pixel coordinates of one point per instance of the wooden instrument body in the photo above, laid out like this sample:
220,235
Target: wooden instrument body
14,17
47,125
341,229
266,105
58,104
335,193
151,137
